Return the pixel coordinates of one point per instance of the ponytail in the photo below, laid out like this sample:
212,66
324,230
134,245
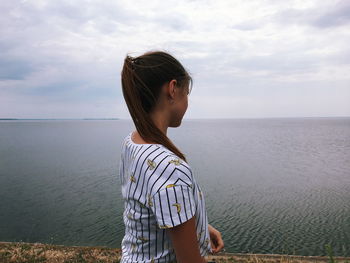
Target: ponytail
142,78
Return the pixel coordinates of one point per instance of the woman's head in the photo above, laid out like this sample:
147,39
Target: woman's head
144,79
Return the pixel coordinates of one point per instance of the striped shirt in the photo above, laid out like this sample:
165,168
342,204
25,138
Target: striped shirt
159,192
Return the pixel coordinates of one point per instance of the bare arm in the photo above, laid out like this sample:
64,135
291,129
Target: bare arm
184,239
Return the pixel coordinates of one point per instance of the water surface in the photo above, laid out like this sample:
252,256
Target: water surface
271,185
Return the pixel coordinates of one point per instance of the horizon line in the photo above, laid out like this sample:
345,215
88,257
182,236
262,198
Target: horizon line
210,118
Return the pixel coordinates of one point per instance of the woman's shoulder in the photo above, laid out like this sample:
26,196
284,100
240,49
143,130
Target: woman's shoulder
155,158
168,170
161,156
129,141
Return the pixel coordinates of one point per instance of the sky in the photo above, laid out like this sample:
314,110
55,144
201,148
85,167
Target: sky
248,59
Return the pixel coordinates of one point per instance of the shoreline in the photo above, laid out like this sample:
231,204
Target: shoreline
38,252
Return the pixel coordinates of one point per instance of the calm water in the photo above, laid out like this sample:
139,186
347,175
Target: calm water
271,185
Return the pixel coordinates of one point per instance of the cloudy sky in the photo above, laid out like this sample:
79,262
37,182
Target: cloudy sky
248,59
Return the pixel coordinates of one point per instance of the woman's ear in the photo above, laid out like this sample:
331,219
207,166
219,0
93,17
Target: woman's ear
172,88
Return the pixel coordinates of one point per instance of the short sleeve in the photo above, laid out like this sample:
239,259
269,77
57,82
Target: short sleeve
173,205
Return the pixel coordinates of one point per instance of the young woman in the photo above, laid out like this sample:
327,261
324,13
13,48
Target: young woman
165,217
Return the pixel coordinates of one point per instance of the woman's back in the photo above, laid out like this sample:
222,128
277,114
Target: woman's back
159,192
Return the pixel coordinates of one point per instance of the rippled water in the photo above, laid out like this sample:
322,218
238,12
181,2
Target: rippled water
271,185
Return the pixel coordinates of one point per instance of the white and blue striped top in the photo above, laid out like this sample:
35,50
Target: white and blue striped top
159,192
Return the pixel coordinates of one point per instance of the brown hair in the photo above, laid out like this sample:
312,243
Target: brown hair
142,78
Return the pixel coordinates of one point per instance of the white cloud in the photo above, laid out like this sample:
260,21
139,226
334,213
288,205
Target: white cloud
248,55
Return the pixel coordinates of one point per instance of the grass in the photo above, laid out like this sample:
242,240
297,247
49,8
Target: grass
36,253
330,253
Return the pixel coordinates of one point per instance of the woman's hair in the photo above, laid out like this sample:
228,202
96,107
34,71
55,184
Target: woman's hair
142,78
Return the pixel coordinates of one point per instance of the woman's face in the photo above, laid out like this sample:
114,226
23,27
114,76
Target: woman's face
180,106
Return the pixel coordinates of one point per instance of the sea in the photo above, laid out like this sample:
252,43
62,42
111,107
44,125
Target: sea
271,185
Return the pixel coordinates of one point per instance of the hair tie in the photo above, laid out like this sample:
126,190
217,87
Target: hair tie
134,61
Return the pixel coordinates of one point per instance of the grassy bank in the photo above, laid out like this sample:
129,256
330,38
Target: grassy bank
36,252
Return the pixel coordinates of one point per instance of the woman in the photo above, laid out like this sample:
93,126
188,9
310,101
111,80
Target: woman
165,217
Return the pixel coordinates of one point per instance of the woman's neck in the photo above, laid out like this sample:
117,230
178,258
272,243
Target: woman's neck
160,121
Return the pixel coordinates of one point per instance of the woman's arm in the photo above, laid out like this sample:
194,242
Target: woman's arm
185,242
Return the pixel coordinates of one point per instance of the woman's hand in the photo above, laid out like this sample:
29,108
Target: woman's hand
217,244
